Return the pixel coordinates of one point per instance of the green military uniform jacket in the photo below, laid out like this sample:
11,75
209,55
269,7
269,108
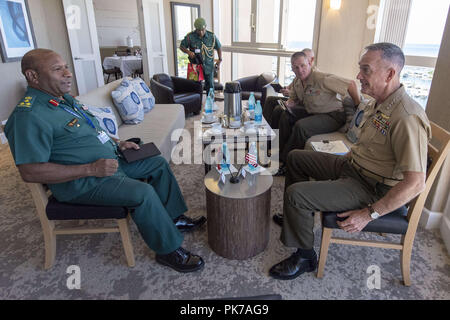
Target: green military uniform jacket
43,128
207,44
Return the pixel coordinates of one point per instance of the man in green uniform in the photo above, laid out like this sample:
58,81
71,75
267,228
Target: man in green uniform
56,141
385,169
201,42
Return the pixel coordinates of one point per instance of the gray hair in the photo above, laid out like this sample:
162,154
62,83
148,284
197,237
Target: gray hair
298,55
308,51
390,52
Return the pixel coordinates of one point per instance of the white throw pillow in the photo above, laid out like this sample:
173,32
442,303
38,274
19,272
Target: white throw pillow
128,103
107,120
147,98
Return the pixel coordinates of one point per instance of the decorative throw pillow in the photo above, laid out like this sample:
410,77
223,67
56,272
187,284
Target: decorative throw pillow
147,98
107,120
128,103
357,122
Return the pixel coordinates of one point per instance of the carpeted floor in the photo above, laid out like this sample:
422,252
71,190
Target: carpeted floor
105,275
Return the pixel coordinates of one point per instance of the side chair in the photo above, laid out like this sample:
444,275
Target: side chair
403,221
49,209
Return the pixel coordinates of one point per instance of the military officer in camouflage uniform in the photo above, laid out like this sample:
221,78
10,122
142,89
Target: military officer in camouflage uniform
385,169
203,42
56,141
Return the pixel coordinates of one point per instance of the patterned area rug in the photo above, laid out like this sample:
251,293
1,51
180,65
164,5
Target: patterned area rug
105,275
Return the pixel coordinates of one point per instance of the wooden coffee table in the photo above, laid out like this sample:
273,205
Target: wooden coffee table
238,214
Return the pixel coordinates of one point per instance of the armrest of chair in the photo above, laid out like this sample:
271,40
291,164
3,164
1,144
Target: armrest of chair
163,94
248,83
184,85
276,86
270,89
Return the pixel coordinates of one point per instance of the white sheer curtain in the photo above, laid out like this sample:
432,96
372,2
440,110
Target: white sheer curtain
394,24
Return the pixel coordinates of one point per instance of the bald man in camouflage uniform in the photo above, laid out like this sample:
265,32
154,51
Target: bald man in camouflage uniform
201,41
385,169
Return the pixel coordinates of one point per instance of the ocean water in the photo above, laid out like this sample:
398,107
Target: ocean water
426,50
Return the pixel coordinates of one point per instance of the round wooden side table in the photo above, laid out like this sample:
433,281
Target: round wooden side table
238,214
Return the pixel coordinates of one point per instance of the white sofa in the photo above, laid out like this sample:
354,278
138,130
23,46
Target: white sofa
158,124
341,134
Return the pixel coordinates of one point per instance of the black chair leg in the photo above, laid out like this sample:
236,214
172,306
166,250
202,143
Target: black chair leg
107,80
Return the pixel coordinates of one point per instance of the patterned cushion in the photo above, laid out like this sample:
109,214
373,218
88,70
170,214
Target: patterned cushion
144,93
127,101
107,120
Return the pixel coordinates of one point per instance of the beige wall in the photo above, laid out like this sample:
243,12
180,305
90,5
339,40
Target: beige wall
438,111
48,21
343,35
116,20
205,11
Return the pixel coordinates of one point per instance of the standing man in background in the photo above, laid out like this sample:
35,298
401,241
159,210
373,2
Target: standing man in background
199,45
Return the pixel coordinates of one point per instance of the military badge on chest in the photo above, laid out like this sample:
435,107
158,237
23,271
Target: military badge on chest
310,91
381,122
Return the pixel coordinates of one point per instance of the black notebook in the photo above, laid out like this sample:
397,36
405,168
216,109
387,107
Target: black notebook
146,151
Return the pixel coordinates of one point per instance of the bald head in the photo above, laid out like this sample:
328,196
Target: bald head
47,71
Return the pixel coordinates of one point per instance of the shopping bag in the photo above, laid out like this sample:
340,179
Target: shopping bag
195,72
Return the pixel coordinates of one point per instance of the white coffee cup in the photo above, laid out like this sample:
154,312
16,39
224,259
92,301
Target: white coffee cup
216,128
208,116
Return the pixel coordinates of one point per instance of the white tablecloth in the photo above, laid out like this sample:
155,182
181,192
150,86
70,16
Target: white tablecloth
127,64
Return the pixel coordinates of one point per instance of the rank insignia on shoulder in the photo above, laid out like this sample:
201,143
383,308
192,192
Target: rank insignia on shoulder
54,102
27,102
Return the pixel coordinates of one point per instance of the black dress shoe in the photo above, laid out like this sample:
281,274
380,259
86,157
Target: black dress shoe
181,260
278,219
186,224
293,266
281,171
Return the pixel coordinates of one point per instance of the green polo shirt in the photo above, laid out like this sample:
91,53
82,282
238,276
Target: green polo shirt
39,131
192,41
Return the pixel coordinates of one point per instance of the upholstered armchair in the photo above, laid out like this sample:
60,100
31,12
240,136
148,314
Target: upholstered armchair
168,89
256,84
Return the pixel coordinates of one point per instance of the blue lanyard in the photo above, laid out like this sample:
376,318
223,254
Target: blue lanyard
89,121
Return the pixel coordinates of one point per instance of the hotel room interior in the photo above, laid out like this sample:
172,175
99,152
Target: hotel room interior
257,36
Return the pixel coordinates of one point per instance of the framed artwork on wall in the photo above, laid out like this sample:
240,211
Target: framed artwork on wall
16,30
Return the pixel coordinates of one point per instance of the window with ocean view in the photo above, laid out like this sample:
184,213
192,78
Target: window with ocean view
426,27
422,43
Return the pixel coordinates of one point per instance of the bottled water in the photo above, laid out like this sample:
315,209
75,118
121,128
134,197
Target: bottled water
211,94
258,113
225,161
251,102
208,107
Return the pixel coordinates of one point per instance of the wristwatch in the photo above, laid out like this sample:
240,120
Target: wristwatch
372,213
